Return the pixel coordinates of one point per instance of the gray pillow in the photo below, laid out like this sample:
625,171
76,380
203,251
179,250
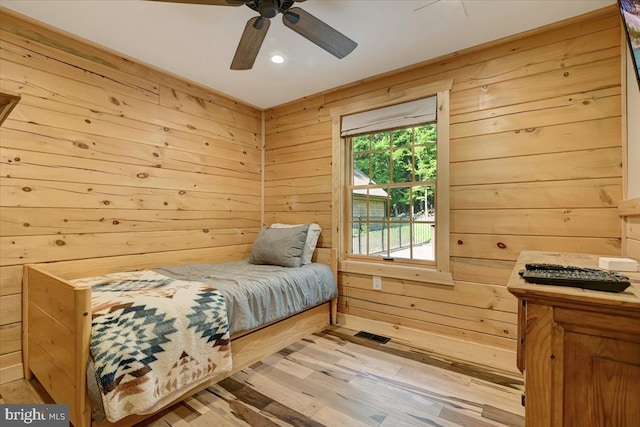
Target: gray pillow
279,246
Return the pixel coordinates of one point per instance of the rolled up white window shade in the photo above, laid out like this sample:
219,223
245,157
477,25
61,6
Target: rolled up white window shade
395,116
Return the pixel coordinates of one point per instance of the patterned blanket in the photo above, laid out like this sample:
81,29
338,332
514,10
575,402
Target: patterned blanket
152,337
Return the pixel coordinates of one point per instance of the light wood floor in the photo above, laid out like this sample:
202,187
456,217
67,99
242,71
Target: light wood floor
335,379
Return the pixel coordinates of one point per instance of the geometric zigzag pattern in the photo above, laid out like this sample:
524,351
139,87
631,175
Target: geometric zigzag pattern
206,312
153,336
127,340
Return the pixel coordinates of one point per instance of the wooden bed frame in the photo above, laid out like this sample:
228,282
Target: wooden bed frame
57,325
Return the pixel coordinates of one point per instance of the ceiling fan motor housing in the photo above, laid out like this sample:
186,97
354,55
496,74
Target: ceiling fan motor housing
270,8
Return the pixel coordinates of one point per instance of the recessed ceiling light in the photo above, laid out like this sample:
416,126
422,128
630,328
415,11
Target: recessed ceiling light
277,59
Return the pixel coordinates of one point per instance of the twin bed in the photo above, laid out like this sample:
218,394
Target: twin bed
268,308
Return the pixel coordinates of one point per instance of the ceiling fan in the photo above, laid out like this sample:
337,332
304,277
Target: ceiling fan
295,18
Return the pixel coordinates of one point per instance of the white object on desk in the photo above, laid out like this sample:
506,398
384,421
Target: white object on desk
618,264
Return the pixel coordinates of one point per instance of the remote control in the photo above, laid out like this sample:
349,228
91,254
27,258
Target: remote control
555,267
545,266
587,278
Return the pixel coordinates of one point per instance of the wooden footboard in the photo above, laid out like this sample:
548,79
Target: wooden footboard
56,333
57,330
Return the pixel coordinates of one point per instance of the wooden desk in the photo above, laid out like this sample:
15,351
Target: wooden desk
579,349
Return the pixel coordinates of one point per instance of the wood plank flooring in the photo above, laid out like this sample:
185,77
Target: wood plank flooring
336,379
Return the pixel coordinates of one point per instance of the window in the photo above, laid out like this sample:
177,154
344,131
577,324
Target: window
392,193
391,183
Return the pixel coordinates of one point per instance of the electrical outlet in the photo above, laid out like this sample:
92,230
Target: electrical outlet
377,283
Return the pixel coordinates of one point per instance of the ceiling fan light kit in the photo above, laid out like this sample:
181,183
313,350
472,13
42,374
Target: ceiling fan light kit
300,21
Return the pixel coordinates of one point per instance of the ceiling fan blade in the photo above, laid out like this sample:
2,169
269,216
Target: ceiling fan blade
430,3
318,32
250,43
209,2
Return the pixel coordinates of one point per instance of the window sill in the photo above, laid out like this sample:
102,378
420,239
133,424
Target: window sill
403,272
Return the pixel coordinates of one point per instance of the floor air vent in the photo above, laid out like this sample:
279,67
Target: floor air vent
373,337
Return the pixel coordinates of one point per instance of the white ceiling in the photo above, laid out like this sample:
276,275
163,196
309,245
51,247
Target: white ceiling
199,41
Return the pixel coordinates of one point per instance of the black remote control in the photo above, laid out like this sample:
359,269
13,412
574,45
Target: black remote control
586,278
555,267
544,266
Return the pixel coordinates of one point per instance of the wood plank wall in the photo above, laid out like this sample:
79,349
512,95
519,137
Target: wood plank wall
535,164
629,210
104,156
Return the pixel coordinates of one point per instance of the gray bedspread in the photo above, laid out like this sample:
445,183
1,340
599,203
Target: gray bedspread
258,294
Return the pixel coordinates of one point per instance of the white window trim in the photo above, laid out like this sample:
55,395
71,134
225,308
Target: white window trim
441,274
